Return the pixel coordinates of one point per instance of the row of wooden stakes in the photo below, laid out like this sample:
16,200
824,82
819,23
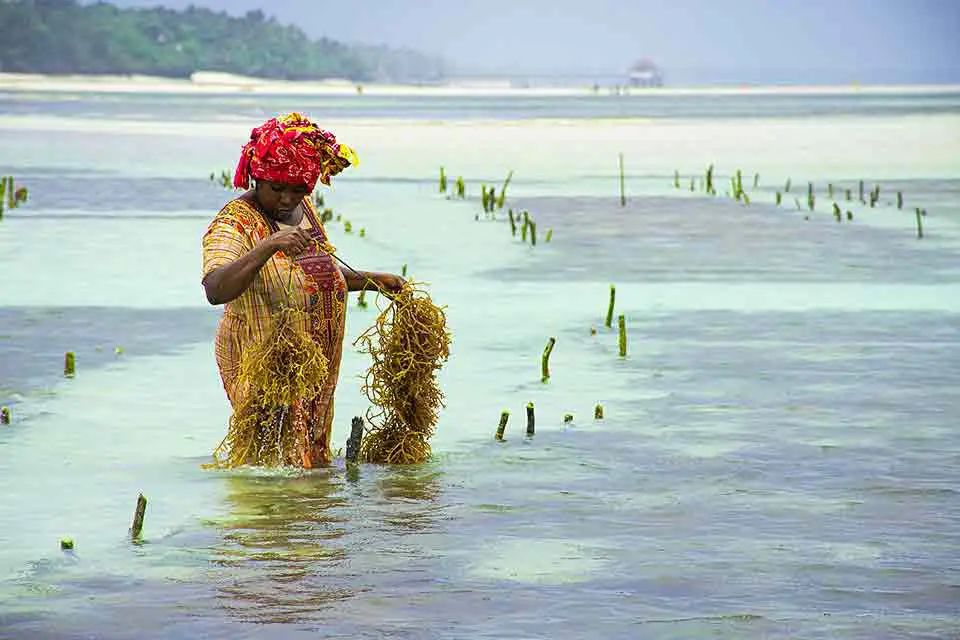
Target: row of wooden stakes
738,193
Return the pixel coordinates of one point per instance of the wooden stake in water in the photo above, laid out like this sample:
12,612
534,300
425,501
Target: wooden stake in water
524,227
355,439
811,199
531,421
461,188
874,196
513,223
920,222
830,190
545,360
709,186
69,364
861,193
502,199
443,181
676,175
138,515
836,212
899,199
533,233
756,180
849,195
779,198
786,188
502,427
622,322
4,415
613,298
549,235
623,188
598,412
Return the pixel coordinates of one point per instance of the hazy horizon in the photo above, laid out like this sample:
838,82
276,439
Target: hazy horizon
692,41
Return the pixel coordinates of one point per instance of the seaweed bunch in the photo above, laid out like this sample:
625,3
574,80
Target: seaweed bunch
408,343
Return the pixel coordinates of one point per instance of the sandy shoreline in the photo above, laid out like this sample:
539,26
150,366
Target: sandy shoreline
216,83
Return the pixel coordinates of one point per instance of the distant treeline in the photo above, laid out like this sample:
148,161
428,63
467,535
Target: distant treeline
64,37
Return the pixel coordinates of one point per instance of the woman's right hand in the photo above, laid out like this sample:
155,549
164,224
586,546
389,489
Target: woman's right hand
292,241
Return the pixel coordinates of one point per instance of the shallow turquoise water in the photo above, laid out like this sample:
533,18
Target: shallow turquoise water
778,459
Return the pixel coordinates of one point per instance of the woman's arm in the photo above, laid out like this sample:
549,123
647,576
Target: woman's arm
228,282
371,280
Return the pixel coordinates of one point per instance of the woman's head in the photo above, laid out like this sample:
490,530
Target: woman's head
293,152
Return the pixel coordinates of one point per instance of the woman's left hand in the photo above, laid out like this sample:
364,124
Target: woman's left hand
389,282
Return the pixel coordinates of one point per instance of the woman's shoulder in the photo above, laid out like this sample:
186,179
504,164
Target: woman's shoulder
240,214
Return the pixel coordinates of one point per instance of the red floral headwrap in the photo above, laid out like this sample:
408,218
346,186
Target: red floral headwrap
292,149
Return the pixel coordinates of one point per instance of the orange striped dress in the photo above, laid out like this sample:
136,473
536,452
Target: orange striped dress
318,288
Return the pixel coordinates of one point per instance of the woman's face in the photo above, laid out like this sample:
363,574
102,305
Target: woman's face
278,199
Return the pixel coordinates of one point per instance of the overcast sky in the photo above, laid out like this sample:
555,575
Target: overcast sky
694,41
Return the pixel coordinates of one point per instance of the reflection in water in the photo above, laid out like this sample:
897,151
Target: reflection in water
282,542
295,545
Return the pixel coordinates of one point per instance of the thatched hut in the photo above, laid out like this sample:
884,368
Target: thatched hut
644,73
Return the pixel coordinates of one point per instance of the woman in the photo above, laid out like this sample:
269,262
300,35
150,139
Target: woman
263,252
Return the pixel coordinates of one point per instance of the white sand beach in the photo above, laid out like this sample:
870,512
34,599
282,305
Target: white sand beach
219,83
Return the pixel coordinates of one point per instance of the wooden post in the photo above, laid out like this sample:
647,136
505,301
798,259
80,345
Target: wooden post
4,415
830,190
545,360
138,518
502,427
613,298
861,193
786,188
836,212
623,188
709,186
443,181
779,198
756,180
355,439
899,199
811,199
533,233
920,222
622,322
598,412
69,364
513,223
526,225
676,176
531,421
502,198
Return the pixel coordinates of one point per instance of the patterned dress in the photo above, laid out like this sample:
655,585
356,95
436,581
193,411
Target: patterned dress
318,288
